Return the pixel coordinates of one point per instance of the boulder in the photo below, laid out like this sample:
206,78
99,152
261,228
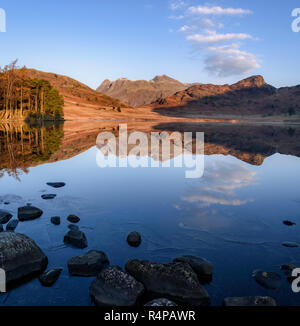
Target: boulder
55,220
12,225
290,244
76,239
268,280
113,287
28,213
89,264
134,239
49,278
73,219
48,197
20,256
5,216
161,303
289,223
203,268
249,302
175,281
56,184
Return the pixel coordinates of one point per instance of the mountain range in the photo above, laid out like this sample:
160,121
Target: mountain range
140,92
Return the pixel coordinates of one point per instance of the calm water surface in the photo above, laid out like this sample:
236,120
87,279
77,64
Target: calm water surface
232,216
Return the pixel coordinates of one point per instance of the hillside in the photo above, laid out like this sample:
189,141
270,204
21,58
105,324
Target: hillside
251,96
74,91
140,92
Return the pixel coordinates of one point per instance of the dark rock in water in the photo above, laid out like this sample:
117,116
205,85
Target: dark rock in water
113,287
6,203
203,268
12,225
1,228
161,303
287,270
28,213
49,278
76,239
289,223
5,216
73,219
290,244
48,196
134,239
175,281
55,220
73,227
20,256
90,264
268,280
56,184
249,302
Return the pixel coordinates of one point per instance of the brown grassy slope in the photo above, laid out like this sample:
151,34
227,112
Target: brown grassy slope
251,96
74,91
140,92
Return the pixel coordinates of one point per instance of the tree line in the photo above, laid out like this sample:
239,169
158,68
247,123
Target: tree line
22,97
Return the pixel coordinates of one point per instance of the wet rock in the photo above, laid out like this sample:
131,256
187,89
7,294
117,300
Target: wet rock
89,264
249,302
268,280
28,213
1,228
73,219
287,270
203,268
56,184
48,196
113,287
161,303
290,244
20,256
6,203
49,278
289,223
73,227
5,216
12,225
134,239
55,220
76,239
175,281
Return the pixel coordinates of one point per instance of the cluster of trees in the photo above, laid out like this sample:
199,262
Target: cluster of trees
24,98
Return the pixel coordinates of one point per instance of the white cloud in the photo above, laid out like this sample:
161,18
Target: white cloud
175,5
213,37
202,10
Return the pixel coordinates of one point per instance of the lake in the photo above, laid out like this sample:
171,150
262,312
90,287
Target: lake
232,216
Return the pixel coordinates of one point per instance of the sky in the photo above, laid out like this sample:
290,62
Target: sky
191,40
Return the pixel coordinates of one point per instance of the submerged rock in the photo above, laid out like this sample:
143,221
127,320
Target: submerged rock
48,197
73,227
290,244
5,216
89,264
175,281
28,213
113,287
56,184
161,303
134,239
203,268
55,220
20,256
49,278
289,223
12,225
268,280
76,239
73,219
249,302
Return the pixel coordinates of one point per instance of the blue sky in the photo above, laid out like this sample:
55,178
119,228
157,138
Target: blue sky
190,40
